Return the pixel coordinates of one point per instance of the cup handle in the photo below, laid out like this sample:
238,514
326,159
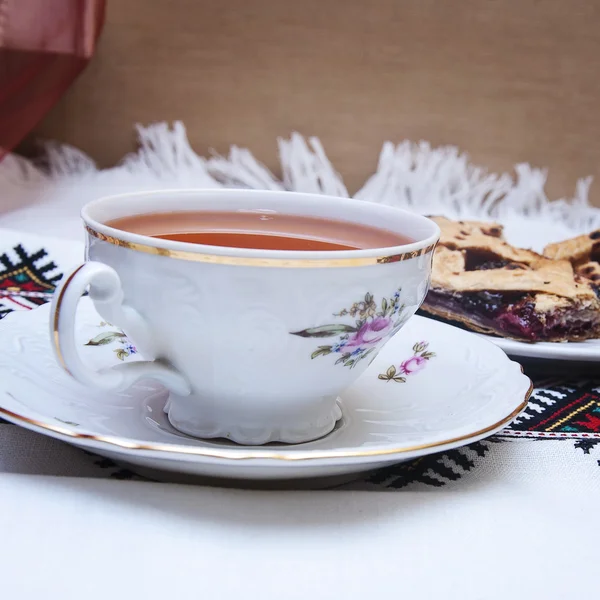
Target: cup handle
107,295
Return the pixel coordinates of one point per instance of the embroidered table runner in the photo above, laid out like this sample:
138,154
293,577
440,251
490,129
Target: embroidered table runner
556,441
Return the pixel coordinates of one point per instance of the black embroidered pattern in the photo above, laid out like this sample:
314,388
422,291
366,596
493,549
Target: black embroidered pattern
24,282
114,470
586,445
434,470
561,410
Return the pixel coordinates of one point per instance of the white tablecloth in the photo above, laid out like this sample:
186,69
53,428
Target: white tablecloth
525,529
76,538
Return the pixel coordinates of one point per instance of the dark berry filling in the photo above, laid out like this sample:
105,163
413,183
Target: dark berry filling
513,314
481,260
484,260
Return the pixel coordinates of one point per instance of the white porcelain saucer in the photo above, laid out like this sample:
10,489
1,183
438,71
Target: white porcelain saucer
432,388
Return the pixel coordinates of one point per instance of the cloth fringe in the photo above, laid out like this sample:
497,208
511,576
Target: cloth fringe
415,176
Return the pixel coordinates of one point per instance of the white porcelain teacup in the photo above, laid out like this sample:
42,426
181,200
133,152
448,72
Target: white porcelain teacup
254,345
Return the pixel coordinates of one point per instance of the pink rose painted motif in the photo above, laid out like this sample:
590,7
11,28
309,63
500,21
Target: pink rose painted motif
371,333
410,366
373,324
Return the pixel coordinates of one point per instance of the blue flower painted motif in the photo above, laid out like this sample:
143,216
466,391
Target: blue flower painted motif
108,337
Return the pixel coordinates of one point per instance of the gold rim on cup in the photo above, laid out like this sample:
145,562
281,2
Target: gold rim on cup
297,263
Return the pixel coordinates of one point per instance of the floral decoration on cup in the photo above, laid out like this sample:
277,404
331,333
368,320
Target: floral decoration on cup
108,337
411,365
373,324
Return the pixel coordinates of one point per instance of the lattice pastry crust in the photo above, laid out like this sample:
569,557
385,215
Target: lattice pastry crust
490,286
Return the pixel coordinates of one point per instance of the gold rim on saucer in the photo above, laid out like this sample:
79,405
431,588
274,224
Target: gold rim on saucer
297,263
238,454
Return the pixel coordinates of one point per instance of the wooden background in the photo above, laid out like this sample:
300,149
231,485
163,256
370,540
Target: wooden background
506,81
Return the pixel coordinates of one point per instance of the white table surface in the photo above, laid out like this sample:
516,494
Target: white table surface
99,539
68,538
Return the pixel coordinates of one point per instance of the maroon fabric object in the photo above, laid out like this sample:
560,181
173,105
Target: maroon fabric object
44,45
